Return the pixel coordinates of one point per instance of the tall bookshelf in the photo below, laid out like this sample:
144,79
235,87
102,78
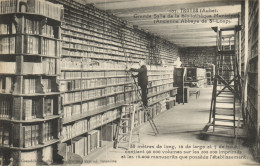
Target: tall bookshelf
96,49
252,110
30,124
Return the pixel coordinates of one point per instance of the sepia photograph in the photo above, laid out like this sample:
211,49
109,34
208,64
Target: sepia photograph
129,82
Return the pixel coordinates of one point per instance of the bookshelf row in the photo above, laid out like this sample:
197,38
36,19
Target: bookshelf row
74,35
37,7
32,45
30,114
30,135
252,105
82,126
25,109
81,132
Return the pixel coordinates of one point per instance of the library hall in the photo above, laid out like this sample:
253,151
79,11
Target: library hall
129,82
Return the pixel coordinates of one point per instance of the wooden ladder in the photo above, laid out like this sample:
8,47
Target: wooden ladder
225,116
125,128
144,108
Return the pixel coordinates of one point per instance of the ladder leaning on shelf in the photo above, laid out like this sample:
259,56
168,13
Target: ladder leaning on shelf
128,120
144,108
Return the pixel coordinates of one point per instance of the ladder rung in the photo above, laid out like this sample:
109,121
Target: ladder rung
223,91
225,120
125,118
226,96
224,102
227,126
224,108
224,114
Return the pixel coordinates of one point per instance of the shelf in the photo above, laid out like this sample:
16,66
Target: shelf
87,78
29,34
35,15
33,147
93,112
23,54
68,139
156,101
47,75
97,69
97,87
160,92
83,100
38,94
36,120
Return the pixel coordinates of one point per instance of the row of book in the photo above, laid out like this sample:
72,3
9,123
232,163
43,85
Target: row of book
104,34
46,85
81,51
30,135
31,108
91,94
105,47
94,74
30,85
162,96
90,83
76,110
6,84
41,7
4,134
32,44
84,145
47,67
49,47
5,107
7,45
6,29
32,26
82,126
87,63
157,89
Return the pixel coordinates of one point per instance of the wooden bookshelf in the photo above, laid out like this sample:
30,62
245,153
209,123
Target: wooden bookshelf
252,105
30,97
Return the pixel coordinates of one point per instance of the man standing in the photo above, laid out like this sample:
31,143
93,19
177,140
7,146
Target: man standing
142,80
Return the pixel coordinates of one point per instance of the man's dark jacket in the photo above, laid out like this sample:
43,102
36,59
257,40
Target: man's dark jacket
142,75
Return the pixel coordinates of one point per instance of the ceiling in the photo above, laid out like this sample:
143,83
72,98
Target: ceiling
160,17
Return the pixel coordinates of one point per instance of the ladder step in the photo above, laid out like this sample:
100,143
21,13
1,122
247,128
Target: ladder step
227,126
224,91
224,108
225,120
224,102
125,118
224,70
230,96
224,114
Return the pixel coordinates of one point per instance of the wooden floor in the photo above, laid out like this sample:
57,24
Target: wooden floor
179,127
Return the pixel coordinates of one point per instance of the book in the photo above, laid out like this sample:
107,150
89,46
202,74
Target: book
48,107
27,109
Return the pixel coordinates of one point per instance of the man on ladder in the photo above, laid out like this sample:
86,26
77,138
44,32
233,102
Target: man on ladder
142,80
143,83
